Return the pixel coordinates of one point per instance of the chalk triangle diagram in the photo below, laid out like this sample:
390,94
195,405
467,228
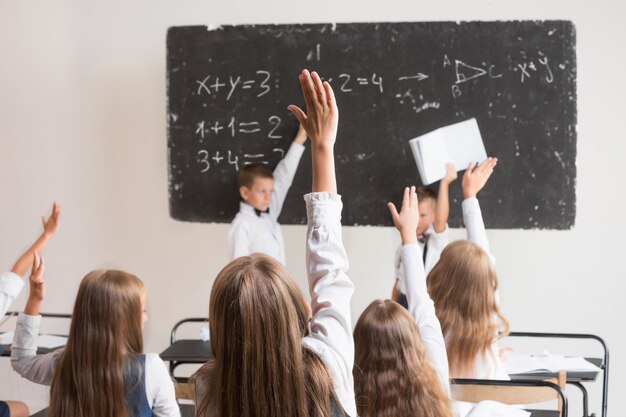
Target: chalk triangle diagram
465,72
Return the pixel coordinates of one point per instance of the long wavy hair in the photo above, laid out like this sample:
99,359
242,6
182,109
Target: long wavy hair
106,325
392,376
463,287
257,319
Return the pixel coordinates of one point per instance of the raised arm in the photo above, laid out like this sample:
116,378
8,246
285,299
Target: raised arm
329,286
320,124
24,359
420,304
474,180
443,199
49,229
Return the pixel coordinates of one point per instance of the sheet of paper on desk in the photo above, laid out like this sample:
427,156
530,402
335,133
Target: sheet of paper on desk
49,341
526,364
488,408
459,143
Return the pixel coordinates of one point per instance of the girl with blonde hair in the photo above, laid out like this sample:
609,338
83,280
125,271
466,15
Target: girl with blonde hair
464,286
269,358
401,367
101,371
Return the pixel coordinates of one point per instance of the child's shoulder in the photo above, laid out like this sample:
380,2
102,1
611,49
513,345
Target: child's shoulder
246,213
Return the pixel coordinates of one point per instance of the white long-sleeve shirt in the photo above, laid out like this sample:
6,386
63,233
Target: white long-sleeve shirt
422,308
331,291
41,368
10,286
489,366
249,232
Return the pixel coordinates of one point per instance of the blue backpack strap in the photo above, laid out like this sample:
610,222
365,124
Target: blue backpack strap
135,386
336,410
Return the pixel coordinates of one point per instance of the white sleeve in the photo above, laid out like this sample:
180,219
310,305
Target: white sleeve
422,309
331,291
399,270
10,286
24,359
283,177
160,388
473,219
238,239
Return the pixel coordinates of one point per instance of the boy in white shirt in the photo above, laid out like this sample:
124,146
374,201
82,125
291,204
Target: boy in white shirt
256,228
432,231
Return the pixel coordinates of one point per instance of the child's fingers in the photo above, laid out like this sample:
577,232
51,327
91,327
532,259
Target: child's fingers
304,85
406,200
35,262
35,272
468,171
41,269
320,91
330,94
393,211
56,210
414,202
300,115
309,86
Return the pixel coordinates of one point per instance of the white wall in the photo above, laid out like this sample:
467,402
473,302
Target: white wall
82,121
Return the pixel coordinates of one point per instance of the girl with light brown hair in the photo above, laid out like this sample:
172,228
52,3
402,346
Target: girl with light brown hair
464,286
101,371
401,368
269,358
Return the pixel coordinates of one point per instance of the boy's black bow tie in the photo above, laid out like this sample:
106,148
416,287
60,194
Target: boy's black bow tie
258,212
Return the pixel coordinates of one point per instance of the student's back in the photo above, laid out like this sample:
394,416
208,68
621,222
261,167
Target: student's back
464,285
269,359
401,368
102,370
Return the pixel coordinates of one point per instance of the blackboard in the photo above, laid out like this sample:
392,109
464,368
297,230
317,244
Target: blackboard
229,87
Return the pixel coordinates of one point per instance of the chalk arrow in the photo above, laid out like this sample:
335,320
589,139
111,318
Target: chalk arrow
466,72
418,77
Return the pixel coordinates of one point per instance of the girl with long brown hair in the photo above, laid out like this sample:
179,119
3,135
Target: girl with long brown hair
464,286
401,368
102,370
269,358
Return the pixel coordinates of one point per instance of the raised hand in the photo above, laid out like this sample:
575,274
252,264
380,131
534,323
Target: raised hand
37,286
321,117
451,173
51,223
406,221
320,122
476,177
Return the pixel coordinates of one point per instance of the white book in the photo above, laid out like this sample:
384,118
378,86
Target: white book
459,143
488,408
43,340
546,362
